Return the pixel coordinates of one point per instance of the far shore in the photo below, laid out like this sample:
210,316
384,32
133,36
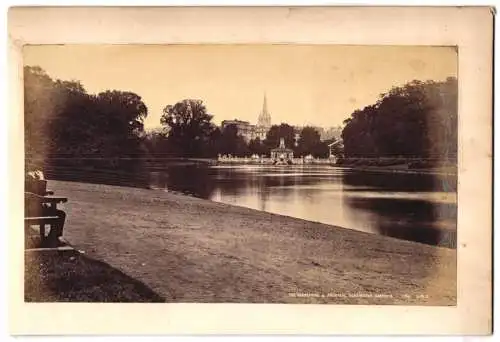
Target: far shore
192,250
397,168
402,169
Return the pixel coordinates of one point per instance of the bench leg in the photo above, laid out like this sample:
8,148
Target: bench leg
56,228
42,232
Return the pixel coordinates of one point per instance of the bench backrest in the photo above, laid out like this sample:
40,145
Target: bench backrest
33,204
37,186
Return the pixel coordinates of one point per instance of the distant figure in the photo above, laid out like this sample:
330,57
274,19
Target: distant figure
35,188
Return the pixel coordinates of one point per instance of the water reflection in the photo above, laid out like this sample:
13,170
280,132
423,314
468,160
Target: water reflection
196,181
417,207
413,207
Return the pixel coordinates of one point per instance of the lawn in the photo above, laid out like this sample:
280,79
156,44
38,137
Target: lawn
68,276
186,249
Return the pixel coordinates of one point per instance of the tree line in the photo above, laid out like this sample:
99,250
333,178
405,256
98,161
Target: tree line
418,120
188,131
67,127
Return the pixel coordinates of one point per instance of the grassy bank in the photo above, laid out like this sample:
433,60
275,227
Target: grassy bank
191,250
68,276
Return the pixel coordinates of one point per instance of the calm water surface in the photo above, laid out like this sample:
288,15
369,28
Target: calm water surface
417,207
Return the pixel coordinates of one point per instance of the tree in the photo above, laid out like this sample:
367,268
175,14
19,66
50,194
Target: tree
190,127
67,127
124,111
232,143
228,140
156,144
418,119
105,129
213,147
309,142
43,103
256,146
321,150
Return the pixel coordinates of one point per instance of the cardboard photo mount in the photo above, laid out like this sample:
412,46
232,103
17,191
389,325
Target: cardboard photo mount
469,29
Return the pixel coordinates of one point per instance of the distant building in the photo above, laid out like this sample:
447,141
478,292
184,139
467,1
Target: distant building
245,129
249,131
324,133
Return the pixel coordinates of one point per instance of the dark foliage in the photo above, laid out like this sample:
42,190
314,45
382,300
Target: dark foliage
256,146
310,144
190,128
67,128
418,119
230,142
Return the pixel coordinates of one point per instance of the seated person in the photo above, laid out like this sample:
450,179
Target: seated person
35,187
35,182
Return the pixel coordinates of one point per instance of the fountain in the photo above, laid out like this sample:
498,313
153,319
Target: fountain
282,155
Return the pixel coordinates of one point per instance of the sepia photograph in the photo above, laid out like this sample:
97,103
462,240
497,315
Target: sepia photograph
250,170
241,173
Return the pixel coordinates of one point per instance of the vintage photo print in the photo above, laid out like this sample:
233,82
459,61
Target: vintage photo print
290,175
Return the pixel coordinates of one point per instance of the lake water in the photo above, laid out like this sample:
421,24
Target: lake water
416,207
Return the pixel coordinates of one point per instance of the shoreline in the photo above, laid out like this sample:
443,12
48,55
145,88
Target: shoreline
193,250
448,237
383,169
400,168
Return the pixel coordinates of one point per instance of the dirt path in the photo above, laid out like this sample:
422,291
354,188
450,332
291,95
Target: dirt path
193,250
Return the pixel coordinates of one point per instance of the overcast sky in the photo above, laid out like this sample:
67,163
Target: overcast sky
305,84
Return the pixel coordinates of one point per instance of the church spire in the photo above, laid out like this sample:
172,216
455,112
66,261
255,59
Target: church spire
264,117
264,106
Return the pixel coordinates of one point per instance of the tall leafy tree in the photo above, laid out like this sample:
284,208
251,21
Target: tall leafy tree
418,119
190,127
309,141
256,146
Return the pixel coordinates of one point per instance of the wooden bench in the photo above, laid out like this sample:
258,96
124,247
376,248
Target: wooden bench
46,199
40,221
37,201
